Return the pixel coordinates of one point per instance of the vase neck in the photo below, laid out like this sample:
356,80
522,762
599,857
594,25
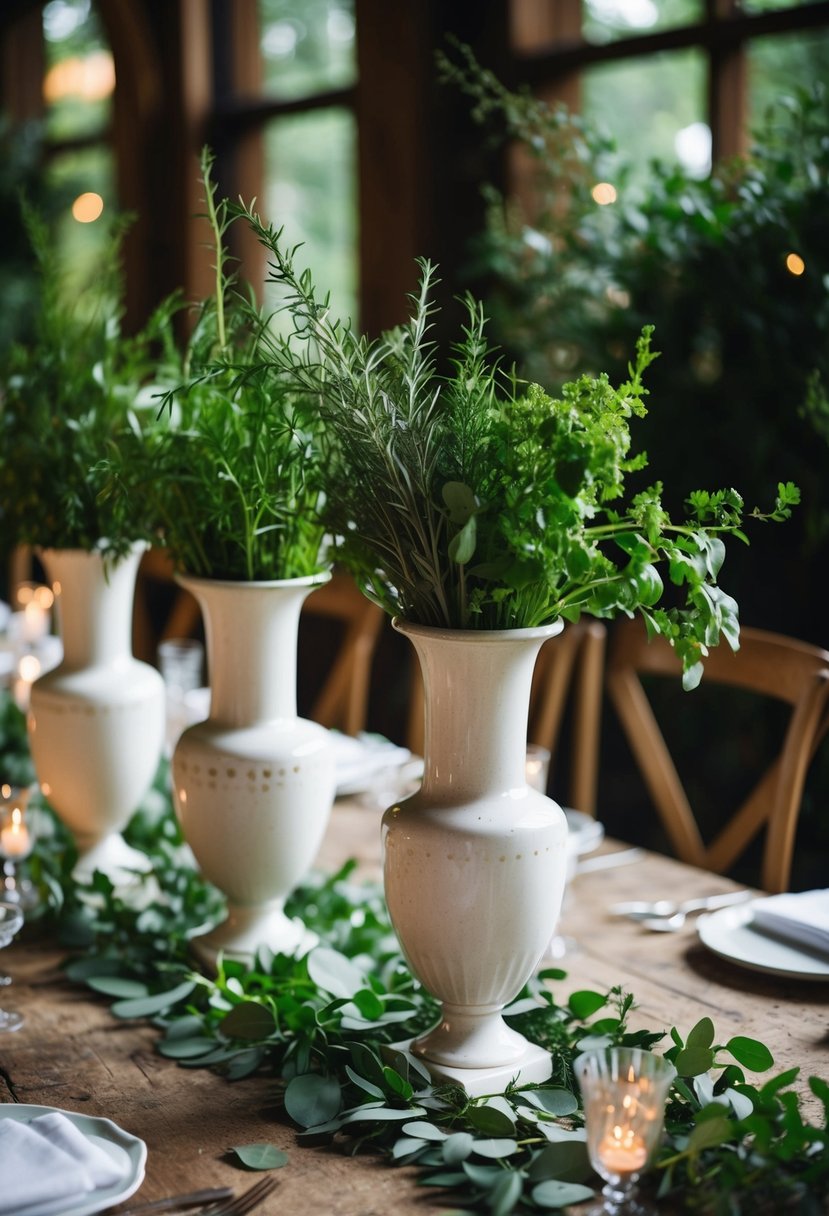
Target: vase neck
477,690
94,604
251,632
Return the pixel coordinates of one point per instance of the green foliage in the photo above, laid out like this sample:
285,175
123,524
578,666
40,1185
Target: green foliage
474,500
70,396
326,1024
745,365
232,470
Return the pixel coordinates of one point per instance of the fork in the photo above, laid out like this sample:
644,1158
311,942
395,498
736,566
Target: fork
245,1202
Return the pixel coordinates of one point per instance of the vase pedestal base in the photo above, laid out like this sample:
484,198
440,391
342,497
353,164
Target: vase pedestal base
121,863
246,930
533,1067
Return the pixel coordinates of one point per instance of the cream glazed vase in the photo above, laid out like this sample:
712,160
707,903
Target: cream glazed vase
475,862
96,722
253,784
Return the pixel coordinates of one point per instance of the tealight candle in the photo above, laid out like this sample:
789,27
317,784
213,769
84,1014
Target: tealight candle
622,1151
15,840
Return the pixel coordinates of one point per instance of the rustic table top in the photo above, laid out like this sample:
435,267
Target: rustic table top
73,1054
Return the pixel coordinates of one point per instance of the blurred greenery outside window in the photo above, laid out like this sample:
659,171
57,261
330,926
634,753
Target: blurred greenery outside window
607,20
653,108
79,171
309,50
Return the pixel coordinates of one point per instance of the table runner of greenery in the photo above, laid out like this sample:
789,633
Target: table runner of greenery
324,1025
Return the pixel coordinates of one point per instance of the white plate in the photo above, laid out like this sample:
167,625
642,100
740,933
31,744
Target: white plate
128,1152
729,934
364,761
586,833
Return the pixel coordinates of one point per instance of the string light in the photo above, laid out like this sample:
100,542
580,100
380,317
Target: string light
604,193
87,207
795,264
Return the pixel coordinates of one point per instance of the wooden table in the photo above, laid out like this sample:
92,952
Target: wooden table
73,1054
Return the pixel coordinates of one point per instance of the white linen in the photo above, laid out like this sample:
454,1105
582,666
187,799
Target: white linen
802,918
49,1159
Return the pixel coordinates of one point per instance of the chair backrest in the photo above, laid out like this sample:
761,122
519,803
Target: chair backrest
573,663
342,701
570,672
771,665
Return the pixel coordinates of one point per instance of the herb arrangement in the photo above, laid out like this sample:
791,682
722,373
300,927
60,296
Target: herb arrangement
70,396
232,471
470,499
745,364
733,1144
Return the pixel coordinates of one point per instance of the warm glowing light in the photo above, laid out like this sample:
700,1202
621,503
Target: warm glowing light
795,263
92,78
29,667
87,207
5,791
604,193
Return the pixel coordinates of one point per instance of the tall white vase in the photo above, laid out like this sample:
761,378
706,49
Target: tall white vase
475,862
96,722
254,783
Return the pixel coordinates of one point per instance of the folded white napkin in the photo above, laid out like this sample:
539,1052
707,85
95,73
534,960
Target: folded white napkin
47,1160
802,919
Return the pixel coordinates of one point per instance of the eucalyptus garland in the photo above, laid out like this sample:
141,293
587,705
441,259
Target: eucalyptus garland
325,1026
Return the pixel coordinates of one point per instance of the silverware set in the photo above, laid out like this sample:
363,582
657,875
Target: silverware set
669,916
220,1201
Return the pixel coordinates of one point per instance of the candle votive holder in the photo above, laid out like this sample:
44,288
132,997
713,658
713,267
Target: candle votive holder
537,767
624,1091
17,839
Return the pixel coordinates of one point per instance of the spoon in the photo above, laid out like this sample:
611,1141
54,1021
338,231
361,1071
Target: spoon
670,909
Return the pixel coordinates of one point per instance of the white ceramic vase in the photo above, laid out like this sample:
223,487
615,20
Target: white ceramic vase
254,784
475,862
96,721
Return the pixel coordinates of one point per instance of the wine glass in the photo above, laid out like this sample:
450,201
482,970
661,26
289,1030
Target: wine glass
11,922
624,1090
17,838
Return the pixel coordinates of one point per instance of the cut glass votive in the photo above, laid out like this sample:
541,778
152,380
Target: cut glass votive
624,1090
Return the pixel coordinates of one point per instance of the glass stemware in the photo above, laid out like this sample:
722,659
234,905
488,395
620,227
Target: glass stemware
11,922
624,1090
17,838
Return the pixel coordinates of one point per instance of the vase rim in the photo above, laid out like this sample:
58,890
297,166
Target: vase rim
411,628
99,550
305,580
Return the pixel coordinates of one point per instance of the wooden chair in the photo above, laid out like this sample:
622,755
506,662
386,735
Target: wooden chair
768,664
342,702
573,663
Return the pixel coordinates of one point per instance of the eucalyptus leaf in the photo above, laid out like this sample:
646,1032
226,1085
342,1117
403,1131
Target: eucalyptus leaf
334,973
115,985
552,1194
554,1101
426,1131
260,1156
186,1049
497,1148
505,1194
312,1099
146,1006
457,1147
491,1121
249,1020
